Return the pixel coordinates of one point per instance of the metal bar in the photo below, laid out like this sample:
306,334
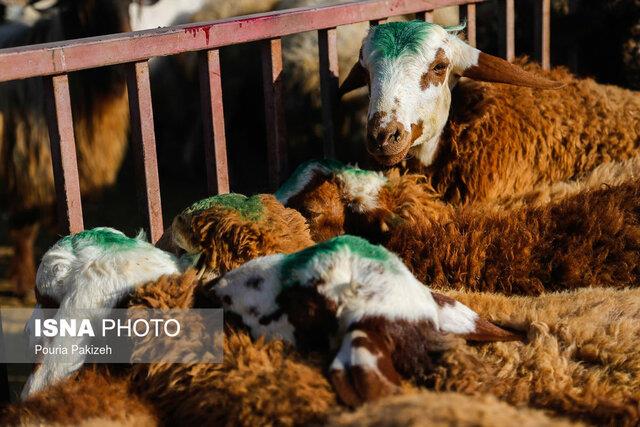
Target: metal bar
274,110
510,30
72,55
425,16
471,24
329,83
546,34
63,154
215,144
144,145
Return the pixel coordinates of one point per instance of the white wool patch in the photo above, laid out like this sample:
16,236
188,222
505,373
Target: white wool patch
301,177
162,14
361,188
91,276
251,291
457,318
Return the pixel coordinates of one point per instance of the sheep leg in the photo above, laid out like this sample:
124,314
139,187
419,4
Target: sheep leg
22,268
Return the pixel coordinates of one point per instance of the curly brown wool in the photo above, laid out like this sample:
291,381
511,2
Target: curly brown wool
501,139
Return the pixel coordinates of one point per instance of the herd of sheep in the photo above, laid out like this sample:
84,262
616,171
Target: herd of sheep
493,256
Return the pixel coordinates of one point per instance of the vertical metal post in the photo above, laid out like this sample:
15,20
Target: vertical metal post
63,153
215,145
274,110
144,145
471,24
507,32
329,83
543,32
510,30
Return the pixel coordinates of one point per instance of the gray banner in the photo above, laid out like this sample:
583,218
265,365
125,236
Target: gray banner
111,336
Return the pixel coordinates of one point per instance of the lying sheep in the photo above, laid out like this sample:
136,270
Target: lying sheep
484,141
580,361
97,269
528,250
348,291
227,230
101,122
92,270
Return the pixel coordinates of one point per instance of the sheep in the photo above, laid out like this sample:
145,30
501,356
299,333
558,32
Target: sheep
580,361
227,230
484,141
91,270
350,291
101,112
527,250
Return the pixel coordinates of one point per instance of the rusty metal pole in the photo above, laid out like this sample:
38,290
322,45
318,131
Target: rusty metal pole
144,145
215,144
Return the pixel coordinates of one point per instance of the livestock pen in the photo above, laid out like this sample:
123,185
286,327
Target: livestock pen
54,61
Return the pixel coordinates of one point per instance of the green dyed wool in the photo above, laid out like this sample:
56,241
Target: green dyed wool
249,208
357,245
102,237
394,39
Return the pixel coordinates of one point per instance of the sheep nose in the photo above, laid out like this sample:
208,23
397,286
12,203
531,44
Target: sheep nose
386,140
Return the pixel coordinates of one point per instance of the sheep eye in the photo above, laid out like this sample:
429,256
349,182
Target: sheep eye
440,67
254,282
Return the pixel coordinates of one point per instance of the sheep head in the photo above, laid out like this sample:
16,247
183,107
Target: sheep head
357,301
411,68
228,230
94,269
336,199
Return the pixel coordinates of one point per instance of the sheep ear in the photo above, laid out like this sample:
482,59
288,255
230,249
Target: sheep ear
456,318
490,68
355,379
358,77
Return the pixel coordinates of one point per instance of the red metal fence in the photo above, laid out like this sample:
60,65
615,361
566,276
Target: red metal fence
53,61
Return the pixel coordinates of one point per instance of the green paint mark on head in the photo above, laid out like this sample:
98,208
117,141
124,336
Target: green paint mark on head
304,173
302,176
102,237
249,208
356,245
394,39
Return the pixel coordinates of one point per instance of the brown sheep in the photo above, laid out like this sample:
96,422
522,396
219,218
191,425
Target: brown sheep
589,238
484,141
101,113
227,230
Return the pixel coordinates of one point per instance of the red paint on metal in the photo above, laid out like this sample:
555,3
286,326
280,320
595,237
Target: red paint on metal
73,55
63,154
144,144
215,145
206,29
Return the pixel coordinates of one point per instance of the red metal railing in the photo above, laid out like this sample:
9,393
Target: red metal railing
54,61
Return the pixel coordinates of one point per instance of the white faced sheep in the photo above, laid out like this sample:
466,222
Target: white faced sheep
93,270
348,291
527,250
101,122
484,141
